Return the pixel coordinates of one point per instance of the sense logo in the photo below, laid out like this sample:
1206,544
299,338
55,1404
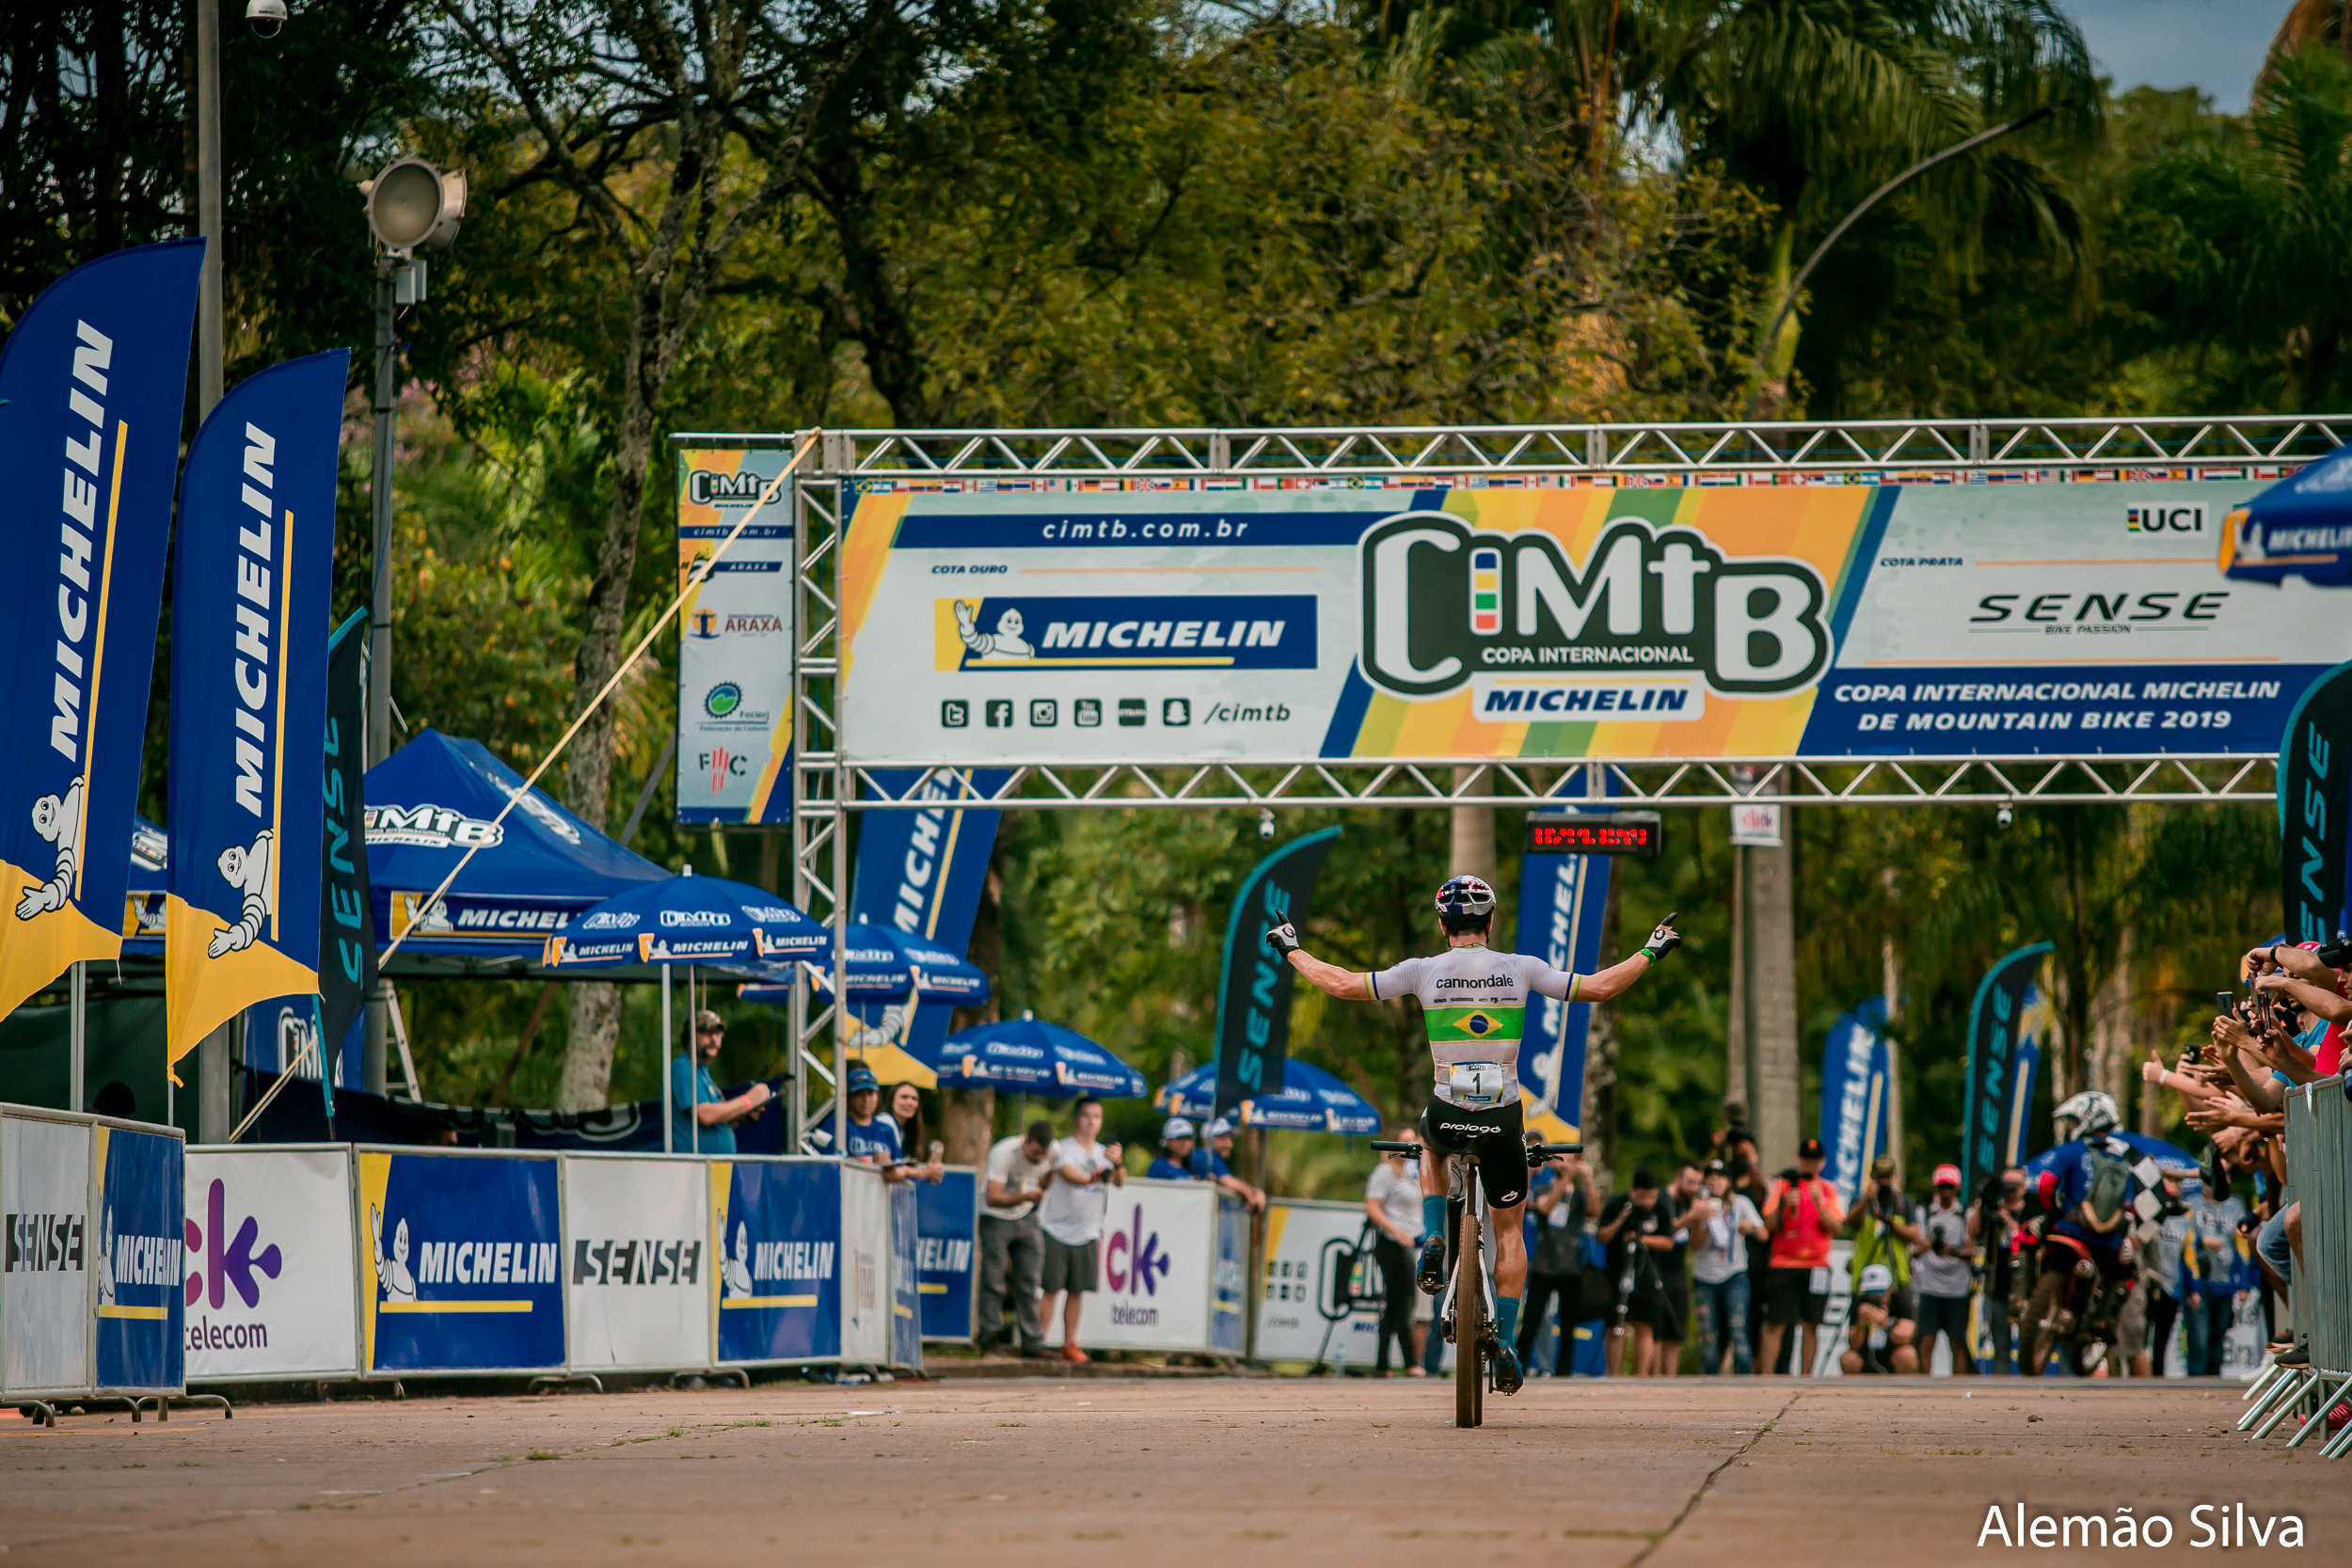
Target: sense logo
226,1263
1444,603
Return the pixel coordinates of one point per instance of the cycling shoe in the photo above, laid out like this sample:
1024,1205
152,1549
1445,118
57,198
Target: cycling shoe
1431,1276
1508,1378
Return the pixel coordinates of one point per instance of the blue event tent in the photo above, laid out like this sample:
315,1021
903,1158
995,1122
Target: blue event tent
1026,1056
438,796
1310,1101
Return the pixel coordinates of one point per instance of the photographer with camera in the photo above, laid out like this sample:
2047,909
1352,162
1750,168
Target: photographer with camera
1943,1271
1804,1213
1886,1228
1996,1228
1638,1228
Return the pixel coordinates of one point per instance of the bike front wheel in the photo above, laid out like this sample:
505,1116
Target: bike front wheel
1470,1324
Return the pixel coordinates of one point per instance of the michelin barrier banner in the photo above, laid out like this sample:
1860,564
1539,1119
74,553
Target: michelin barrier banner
138,1347
45,1255
460,1262
1160,1258
272,1282
776,1291
638,1250
1313,1273
947,1225
994,619
734,650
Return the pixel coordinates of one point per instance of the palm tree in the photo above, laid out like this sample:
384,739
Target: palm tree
2262,218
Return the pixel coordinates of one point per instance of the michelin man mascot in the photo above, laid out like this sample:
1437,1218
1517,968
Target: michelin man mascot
250,870
57,820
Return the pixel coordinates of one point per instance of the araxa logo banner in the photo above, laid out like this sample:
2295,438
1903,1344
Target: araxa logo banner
1229,631
1443,602
735,658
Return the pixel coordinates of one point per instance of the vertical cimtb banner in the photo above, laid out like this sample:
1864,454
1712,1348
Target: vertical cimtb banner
1278,620
735,638
93,382
248,697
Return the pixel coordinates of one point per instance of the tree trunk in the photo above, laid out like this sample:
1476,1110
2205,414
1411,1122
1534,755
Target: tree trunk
1598,1121
968,1124
1777,360
1772,954
1738,1070
2114,1025
1473,852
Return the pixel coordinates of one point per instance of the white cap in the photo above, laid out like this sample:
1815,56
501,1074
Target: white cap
1877,1277
1221,1128
1175,1128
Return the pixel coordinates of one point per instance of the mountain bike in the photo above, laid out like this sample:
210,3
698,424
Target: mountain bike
1466,1314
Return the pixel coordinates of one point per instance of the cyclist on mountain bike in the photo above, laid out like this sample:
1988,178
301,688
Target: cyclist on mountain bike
1472,1001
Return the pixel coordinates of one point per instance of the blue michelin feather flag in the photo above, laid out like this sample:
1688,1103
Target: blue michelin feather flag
248,697
93,379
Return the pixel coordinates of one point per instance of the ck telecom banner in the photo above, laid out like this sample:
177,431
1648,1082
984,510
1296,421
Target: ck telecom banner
735,645
270,1272
988,621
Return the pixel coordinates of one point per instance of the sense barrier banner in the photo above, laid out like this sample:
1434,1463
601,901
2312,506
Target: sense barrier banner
987,619
272,1275
1171,1271
1313,1273
638,1247
138,1345
948,1217
735,651
906,1300
45,1257
460,1262
866,1302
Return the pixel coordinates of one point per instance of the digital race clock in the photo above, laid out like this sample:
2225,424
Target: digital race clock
1615,832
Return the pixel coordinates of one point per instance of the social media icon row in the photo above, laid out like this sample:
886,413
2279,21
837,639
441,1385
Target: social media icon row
1085,713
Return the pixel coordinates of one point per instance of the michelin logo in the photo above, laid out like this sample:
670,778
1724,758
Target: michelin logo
1234,631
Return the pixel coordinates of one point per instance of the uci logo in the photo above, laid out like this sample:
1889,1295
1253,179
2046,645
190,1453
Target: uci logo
2165,519
723,699
1442,602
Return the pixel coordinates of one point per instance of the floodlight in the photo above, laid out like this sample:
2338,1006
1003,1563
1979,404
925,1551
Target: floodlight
412,203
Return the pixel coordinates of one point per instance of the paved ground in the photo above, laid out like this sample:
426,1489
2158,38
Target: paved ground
1748,1472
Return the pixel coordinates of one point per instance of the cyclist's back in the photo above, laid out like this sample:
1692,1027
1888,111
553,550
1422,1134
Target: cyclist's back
1473,1003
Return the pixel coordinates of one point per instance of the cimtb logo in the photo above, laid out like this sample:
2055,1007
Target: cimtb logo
707,487
1442,602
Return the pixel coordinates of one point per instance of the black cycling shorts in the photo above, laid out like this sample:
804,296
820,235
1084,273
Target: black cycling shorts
1497,1135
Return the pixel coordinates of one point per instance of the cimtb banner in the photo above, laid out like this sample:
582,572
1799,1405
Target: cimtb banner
734,640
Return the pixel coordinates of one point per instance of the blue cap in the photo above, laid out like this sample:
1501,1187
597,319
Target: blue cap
861,1077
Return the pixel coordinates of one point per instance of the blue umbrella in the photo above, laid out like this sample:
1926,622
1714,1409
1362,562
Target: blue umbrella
2299,527
887,965
688,920
1310,1101
1030,1056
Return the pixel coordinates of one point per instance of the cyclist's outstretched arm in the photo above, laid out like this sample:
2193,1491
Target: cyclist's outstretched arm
1619,978
1345,983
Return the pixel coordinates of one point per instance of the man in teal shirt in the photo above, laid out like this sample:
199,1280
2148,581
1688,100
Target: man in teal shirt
702,1120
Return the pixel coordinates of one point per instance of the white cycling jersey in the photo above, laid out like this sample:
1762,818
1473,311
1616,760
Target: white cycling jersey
1474,1003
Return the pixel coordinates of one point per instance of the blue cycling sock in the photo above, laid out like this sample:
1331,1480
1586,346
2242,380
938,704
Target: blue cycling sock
1431,1215
1507,1318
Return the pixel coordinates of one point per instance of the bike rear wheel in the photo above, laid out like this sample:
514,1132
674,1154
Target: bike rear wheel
1470,1324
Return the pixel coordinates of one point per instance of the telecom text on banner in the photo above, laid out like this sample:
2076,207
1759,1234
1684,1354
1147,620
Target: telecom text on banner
1561,900
1254,989
922,872
2315,808
775,1294
1011,619
1995,1019
347,906
44,1254
460,1262
271,1275
1854,1112
93,382
1160,1259
141,1282
947,1223
1319,1301
251,576
639,1273
734,644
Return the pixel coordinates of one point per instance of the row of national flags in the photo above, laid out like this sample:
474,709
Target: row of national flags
93,382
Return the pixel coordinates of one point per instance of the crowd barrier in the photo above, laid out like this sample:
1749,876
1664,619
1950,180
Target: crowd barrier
2320,1161
1318,1299
331,1261
1175,1271
946,1263
91,1251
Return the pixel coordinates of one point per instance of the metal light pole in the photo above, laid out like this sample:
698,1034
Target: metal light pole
212,1052
410,204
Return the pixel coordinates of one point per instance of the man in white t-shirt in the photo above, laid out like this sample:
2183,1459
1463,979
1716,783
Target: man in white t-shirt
1722,1223
1072,1217
1012,1247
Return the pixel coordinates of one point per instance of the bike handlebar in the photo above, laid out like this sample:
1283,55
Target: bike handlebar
1537,1153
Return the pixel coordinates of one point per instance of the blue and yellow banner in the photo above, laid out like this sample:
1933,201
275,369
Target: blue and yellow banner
1561,900
248,697
92,383
460,1263
1855,1082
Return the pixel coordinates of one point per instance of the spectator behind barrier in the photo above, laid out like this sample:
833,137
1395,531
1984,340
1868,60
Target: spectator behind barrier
1013,1244
1943,1271
702,1120
903,1103
1072,1217
1802,1212
1392,1203
1174,1161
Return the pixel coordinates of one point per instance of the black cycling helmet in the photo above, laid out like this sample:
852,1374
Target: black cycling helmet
1466,896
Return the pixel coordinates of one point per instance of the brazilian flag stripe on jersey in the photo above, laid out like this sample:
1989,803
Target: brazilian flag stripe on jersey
1472,1023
